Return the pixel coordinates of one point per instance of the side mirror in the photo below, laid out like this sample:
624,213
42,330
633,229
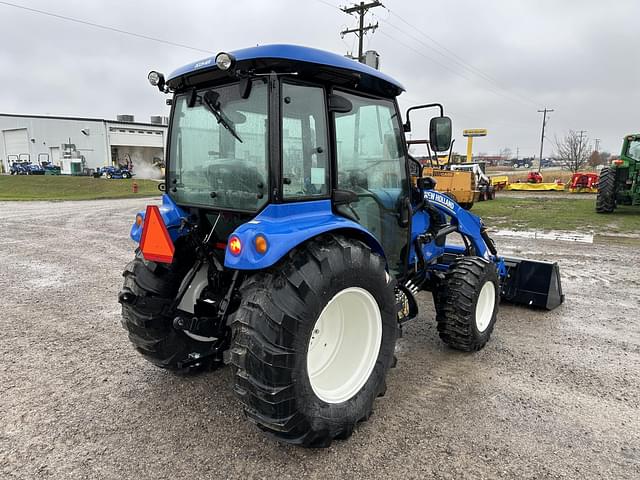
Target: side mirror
440,134
245,87
339,104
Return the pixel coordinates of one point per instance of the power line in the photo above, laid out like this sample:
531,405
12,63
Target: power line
453,54
104,27
454,57
446,67
457,72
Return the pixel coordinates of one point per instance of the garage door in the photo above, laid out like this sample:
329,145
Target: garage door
16,142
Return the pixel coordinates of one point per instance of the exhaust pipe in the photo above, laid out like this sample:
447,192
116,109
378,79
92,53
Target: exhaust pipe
531,283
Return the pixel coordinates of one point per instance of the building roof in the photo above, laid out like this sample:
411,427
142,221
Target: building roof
81,119
294,53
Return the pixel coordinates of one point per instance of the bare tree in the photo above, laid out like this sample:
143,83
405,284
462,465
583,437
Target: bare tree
505,153
599,158
573,151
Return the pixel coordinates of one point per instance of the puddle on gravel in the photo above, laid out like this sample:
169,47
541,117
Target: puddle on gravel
551,235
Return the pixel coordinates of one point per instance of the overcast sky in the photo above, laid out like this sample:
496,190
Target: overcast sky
504,59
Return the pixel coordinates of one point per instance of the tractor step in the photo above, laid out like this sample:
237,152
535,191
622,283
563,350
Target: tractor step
532,283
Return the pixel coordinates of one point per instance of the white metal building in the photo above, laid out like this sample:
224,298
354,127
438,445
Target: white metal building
82,144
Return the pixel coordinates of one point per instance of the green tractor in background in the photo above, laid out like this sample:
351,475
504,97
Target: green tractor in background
620,182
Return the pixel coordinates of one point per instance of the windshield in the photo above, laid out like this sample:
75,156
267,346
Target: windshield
634,150
218,148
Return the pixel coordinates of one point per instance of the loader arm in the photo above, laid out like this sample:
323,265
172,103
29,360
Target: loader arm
526,282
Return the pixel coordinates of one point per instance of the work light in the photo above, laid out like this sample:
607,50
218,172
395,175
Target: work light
225,61
156,79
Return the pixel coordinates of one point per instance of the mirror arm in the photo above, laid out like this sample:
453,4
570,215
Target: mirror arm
407,125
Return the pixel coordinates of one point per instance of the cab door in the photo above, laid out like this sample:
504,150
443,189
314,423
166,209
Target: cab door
371,162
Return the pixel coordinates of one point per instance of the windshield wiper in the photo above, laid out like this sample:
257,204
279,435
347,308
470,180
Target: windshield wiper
210,99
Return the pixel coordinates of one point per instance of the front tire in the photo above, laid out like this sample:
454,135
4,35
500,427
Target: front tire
313,340
467,304
606,199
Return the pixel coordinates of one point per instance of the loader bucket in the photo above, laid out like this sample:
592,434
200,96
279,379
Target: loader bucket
531,283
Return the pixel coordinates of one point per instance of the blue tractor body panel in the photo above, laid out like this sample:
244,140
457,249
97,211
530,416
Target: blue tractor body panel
286,226
292,53
172,216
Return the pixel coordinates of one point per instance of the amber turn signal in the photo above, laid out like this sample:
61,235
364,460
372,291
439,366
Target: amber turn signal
261,244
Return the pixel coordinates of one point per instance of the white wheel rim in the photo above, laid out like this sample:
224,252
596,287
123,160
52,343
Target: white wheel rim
344,345
485,305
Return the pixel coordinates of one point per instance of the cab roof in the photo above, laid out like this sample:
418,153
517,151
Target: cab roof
310,60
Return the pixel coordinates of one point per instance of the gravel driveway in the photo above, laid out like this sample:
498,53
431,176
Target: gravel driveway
554,394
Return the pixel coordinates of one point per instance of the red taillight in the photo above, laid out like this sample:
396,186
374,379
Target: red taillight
618,162
235,246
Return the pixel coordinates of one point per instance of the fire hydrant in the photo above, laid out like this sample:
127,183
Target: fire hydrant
135,187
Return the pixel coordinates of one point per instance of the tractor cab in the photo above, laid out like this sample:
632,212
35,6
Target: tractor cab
269,129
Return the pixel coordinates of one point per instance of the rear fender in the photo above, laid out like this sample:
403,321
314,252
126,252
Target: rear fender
287,225
172,216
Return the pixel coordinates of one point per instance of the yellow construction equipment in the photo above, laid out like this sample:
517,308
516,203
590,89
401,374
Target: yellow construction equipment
459,185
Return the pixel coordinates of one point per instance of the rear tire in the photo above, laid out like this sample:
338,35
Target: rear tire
298,379
467,303
606,199
149,317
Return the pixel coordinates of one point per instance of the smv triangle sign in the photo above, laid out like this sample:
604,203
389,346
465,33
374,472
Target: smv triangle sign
156,244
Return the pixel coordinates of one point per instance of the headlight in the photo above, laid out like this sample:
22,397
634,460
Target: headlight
156,79
225,61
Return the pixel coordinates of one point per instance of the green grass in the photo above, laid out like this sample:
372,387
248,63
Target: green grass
46,187
569,214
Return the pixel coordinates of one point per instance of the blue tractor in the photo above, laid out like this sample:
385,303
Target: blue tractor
294,233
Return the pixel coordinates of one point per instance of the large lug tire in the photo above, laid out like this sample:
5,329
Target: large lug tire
606,200
313,339
467,303
149,317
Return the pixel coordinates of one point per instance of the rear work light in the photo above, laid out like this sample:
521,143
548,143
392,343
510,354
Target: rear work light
235,246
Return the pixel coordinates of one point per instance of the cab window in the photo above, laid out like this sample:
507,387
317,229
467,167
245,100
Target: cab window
305,169
371,163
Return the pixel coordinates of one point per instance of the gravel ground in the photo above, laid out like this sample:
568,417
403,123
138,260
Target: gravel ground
554,394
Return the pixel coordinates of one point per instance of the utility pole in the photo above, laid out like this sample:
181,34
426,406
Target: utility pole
581,132
361,9
597,140
544,124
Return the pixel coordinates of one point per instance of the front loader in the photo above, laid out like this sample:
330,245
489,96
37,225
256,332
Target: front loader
290,242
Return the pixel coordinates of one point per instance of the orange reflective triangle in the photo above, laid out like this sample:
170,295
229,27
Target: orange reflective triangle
156,244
